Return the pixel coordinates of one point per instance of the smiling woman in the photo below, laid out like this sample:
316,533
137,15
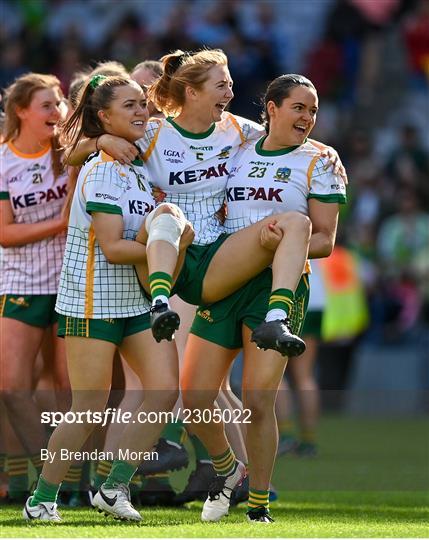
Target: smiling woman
100,302
291,109
33,189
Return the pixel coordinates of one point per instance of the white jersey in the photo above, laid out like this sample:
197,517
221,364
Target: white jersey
192,169
262,183
90,287
28,182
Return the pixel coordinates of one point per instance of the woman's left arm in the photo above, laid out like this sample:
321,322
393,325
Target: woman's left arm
324,217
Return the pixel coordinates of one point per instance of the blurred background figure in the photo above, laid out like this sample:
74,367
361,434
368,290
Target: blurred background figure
301,370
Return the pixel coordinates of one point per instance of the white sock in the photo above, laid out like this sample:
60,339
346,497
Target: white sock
161,297
275,315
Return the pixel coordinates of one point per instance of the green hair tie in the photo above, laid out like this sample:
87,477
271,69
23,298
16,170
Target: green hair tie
96,81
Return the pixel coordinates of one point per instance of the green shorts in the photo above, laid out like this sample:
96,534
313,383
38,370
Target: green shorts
222,322
113,330
189,284
34,309
313,324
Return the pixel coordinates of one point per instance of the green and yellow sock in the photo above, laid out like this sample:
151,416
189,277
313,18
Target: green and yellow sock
161,478
37,463
17,470
72,479
121,473
280,304
224,463
160,284
44,492
2,463
85,477
102,472
258,498
201,454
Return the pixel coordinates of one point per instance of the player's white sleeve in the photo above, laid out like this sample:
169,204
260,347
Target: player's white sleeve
103,188
324,185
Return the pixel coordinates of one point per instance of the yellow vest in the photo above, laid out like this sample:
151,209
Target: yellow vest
346,313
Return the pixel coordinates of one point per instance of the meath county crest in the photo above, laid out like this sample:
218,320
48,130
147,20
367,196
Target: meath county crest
282,174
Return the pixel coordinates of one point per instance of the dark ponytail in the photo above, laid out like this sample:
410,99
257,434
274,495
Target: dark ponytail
84,122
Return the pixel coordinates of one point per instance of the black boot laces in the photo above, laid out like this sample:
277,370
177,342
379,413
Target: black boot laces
217,487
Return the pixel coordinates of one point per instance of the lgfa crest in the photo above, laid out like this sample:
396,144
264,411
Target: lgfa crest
282,174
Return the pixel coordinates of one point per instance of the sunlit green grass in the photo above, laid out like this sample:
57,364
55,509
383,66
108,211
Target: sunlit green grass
314,514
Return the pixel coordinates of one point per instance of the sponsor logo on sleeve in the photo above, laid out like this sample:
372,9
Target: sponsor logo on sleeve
106,196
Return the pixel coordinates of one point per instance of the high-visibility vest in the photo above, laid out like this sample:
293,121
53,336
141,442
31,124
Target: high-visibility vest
346,313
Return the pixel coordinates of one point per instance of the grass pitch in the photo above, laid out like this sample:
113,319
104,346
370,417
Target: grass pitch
370,480
305,515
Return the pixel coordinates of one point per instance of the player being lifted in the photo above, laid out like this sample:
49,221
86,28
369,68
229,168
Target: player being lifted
99,297
188,157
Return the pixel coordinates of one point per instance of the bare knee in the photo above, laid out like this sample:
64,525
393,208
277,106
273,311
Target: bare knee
260,403
14,398
199,399
295,221
94,401
61,382
163,400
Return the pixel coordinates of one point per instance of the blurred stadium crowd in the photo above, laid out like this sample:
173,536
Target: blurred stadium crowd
369,61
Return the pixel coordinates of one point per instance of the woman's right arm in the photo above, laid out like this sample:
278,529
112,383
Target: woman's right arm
18,234
116,147
108,229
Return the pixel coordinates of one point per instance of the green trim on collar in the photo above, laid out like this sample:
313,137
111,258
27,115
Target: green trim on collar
189,134
259,150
